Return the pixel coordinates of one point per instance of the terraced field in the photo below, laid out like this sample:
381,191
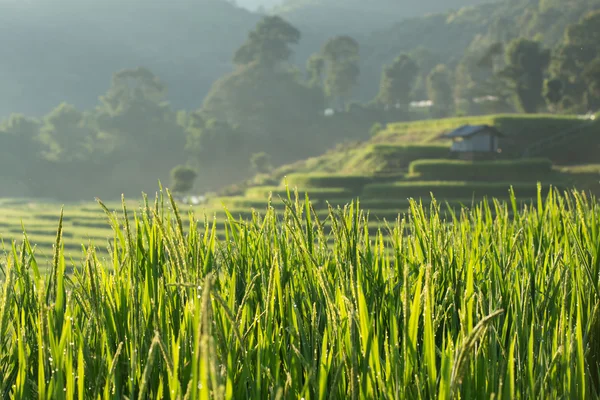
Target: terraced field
405,160
87,224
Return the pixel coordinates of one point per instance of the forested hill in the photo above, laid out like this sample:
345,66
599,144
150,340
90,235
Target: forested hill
57,51
360,16
67,50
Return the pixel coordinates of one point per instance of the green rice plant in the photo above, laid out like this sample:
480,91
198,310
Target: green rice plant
500,300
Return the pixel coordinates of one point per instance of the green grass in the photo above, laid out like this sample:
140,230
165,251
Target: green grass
475,305
503,170
447,190
395,147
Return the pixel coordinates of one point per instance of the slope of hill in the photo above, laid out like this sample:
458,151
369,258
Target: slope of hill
413,159
359,16
67,50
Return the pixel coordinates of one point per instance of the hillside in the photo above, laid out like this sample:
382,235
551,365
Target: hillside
80,44
357,16
403,160
407,160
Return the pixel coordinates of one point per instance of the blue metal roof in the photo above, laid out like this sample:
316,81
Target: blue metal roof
471,130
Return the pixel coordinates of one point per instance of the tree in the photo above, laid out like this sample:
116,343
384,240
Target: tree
439,91
584,37
553,91
341,55
261,162
276,110
570,59
526,62
269,43
219,149
139,130
67,135
591,77
397,81
315,67
182,178
20,161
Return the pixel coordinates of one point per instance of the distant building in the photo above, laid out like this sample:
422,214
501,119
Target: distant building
421,104
475,141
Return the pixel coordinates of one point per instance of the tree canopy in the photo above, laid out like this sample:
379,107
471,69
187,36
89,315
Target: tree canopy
526,63
397,80
269,43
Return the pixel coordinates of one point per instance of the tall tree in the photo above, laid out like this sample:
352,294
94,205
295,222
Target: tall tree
526,62
580,46
553,92
397,80
67,135
218,149
139,125
315,68
269,43
439,90
591,77
341,55
182,178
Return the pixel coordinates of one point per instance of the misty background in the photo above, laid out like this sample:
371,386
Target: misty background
99,98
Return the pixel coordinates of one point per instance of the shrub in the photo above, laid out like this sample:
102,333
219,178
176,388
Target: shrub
315,194
261,163
183,178
375,129
448,190
310,181
505,170
386,157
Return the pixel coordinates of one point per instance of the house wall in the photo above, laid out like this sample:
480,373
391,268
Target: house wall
484,142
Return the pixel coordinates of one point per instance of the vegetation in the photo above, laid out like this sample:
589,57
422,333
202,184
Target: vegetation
183,178
505,170
526,64
267,104
261,162
397,81
284,308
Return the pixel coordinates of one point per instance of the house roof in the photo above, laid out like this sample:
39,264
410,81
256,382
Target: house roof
472,130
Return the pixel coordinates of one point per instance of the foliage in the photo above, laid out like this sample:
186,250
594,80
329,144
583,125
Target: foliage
553,91
278,113
315,68
375,129
341,55
448,189
574,57
504,170
85,50
439,90
450,310
219,149
526,62
397,80
183,178
354,183
261,162
591,77
269,43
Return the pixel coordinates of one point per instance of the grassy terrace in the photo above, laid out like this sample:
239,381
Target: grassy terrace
499,302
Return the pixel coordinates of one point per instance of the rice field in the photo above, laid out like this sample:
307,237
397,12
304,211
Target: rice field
497,301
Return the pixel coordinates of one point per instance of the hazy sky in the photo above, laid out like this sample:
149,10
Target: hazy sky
253,4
